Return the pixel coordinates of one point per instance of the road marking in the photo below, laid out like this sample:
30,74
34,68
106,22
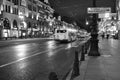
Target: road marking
13,62
106,55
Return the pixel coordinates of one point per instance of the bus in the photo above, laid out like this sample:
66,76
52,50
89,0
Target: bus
65,35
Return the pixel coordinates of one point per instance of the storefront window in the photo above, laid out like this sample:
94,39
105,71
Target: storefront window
6,23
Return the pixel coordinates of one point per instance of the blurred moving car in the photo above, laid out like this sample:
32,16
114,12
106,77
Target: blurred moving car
81,34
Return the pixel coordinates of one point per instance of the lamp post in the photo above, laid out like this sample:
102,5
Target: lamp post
94,34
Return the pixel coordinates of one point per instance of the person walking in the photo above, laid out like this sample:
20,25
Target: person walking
103,36
107,36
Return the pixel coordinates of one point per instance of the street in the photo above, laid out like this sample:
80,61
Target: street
35,59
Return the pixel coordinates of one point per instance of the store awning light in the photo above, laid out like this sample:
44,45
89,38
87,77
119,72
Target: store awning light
87,23
107,15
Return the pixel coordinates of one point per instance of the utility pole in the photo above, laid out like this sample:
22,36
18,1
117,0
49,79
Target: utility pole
94,35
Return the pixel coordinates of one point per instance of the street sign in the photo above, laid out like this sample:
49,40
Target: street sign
109,15
98,10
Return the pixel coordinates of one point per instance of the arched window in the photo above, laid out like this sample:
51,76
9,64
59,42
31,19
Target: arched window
15,24
6,23
29,25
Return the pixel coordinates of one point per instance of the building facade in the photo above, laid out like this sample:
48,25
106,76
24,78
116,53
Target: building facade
24,18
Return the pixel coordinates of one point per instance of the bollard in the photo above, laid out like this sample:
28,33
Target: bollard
89,46
86,47
82,54
52,76
76,56
75,71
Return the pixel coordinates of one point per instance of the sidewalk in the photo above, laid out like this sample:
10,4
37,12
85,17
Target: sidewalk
104,67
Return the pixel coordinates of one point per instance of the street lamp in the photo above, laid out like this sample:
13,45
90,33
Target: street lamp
50,24
94,34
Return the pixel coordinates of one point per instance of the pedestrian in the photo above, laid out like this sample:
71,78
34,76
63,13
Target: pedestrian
107,36
102,36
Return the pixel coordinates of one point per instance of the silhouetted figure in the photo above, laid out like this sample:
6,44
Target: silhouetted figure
107,36
116,36
52,76
103,36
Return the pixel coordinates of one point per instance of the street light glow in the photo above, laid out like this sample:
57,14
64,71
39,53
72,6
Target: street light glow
107,15
87,22
50,23
72,30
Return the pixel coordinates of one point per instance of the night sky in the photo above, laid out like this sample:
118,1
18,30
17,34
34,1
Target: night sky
77,9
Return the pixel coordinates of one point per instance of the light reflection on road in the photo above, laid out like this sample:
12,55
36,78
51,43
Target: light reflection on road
69,46
50,46
34,58
22,65
21,51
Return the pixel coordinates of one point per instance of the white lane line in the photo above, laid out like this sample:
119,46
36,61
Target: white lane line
7,64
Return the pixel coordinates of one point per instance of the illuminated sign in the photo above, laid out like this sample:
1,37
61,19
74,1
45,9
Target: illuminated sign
98,10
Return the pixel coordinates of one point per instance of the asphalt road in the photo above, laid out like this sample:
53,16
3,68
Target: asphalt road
35,59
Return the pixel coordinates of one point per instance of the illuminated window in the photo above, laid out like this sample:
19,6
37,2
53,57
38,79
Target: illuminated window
15,24
1,7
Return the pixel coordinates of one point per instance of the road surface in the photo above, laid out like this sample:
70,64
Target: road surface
35,59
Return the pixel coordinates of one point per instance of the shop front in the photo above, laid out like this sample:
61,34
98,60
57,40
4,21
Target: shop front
14,33
14,30
0,31
35,32
6,29
23,30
